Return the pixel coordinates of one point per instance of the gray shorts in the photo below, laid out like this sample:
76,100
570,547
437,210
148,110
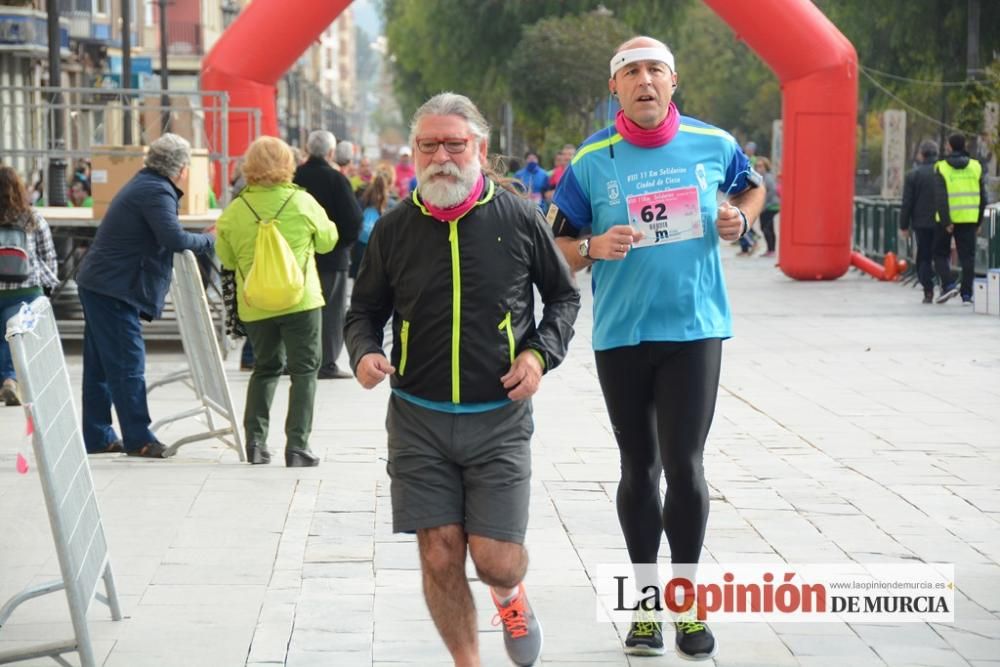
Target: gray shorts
470,469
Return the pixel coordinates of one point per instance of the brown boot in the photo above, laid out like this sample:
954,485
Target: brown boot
9,393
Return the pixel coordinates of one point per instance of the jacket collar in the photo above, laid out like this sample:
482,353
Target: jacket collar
180,193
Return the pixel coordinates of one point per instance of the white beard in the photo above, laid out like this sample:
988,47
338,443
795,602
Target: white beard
442,192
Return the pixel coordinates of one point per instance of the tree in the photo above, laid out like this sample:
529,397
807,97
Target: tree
545,96
464,45
732,89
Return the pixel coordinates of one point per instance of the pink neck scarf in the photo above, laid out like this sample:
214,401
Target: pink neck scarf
457,211
643,138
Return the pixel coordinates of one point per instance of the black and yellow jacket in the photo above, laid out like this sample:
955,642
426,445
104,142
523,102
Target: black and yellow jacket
460,296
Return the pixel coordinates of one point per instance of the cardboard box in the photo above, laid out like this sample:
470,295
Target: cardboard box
110,173
993,291
979,298
195,199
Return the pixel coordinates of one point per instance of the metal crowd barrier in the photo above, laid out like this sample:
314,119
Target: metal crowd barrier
64,472
876,232
205,373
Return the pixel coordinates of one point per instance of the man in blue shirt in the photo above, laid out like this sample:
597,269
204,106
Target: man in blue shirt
645,202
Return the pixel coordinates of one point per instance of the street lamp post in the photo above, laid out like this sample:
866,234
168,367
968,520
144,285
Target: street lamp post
164,69
56,177
127,68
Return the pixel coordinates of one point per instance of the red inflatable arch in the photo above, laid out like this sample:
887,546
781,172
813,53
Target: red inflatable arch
254,53
816,65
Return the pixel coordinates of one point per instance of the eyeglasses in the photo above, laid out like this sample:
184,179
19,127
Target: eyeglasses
452,145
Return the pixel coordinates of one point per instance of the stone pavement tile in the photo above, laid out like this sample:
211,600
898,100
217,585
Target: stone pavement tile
334,498
298,658
968,612
973,640
408,629
606,456
200,573
755,499
856,661
903,642
426,651
352,639
592,557
971,469
102,649
203,644
341,614
588,472
985,498
750,653
980,583
844,647
224,533
273,630
834,629
328,587
858,533
397,556
909,656
336,570
938,546
343,523
186,594
325,550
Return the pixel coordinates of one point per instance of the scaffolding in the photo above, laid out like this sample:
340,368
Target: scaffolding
94,123
104,116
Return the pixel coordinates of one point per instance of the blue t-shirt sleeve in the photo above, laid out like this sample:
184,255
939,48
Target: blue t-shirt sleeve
736,173
572,201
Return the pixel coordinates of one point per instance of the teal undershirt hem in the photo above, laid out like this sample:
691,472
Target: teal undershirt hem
447,406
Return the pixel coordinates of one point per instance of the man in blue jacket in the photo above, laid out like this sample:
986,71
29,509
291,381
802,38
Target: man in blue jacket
534,178
124,278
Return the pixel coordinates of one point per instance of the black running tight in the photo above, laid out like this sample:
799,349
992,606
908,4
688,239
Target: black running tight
661,400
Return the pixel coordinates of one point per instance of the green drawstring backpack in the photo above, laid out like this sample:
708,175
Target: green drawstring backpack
275,281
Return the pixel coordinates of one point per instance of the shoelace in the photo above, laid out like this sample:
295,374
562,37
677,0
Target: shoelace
645,628
513,619
689,626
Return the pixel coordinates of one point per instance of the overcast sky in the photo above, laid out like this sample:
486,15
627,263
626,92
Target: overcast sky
366,15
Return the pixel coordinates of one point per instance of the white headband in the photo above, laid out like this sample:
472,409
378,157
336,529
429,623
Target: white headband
627,56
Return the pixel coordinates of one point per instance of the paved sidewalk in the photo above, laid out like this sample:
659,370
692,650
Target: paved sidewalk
853,423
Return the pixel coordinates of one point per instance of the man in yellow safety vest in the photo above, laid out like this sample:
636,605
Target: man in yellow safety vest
960,199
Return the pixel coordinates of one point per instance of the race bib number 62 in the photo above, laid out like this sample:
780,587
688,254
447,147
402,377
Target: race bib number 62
667,216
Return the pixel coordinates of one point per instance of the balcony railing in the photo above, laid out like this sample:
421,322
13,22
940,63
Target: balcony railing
79,23
184,38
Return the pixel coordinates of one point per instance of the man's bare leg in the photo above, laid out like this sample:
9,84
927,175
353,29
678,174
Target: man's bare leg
500,565
446,590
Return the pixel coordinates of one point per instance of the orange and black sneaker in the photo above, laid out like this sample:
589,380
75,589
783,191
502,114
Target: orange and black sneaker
522,633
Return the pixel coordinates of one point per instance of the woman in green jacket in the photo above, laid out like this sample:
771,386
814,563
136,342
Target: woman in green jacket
268,167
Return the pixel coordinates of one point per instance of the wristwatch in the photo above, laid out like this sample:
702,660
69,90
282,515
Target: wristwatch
583,247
